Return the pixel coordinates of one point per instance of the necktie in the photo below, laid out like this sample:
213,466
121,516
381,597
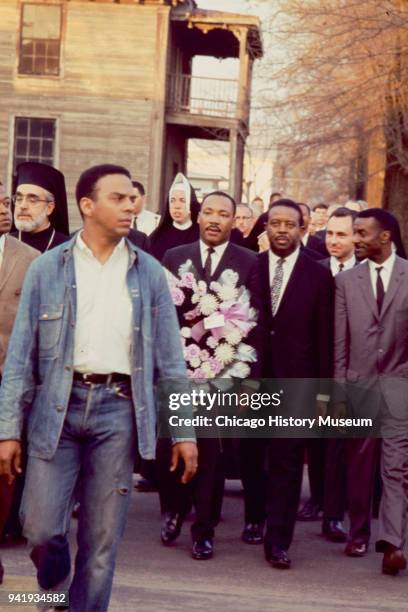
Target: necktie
207,264
277,285
380,289
341,267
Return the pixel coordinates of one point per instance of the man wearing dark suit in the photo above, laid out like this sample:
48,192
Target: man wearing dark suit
313,243
330,498
140,239
299,292
371,357
210,256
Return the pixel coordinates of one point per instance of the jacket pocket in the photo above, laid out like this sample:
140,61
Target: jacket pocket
50,325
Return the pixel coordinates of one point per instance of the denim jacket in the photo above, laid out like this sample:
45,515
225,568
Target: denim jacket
38,373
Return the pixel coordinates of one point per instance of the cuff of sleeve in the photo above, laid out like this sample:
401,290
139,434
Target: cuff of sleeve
179,440
322,397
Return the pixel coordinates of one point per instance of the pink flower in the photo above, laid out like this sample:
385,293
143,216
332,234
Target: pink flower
187,280
177,296
215,365
197,374
192,314
192,351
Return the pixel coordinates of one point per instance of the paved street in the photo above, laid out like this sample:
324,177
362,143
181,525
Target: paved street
150,577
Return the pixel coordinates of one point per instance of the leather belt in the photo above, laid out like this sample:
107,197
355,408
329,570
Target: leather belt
101,379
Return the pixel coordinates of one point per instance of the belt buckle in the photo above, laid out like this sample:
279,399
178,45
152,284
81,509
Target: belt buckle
85,379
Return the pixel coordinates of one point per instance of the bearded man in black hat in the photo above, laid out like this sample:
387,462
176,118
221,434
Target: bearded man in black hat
40,206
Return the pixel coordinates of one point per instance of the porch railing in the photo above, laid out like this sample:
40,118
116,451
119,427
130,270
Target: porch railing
202,95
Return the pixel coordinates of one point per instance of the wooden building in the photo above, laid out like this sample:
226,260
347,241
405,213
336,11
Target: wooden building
85,82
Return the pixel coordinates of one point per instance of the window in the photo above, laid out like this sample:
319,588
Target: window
40,39
33,140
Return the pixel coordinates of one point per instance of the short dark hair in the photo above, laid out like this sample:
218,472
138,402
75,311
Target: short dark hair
342,211
137,185
288,204
225,195
309,210
385,219
321,205
85,186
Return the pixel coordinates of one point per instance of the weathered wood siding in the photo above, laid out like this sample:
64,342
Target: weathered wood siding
109,97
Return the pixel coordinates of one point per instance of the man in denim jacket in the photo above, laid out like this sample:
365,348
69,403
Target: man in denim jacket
95,328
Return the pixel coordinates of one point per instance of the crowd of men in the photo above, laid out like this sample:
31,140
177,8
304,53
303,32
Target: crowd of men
90,329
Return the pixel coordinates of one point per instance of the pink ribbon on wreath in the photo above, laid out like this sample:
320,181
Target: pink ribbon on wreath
235,314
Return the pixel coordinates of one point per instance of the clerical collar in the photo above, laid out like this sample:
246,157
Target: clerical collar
183,226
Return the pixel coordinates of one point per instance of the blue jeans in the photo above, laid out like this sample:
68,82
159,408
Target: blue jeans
97,445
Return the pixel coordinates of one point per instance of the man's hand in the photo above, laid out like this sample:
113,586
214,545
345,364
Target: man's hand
10,459
187,452
321,408
263,242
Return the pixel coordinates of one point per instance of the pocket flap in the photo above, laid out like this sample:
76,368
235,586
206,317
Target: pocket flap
49,312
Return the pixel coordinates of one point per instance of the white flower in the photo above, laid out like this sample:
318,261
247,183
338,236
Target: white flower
239,370
245,353
185,267
202,287
186,332
229,277
211,342
194,298
224,352
206,368
195,362
208,304
214,286
233,336
226,293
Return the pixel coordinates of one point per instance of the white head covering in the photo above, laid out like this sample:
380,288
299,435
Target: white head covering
180,183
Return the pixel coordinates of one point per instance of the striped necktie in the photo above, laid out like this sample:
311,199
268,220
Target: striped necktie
277,285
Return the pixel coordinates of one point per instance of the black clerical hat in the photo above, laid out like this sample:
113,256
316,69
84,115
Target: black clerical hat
52,180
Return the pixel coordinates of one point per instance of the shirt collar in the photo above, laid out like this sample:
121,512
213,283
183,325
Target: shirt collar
349,263
85,249
219,249
290,259
387,265
2,243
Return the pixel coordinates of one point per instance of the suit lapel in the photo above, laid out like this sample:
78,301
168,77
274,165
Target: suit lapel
293,282
395,280
10,259
366,287
196,259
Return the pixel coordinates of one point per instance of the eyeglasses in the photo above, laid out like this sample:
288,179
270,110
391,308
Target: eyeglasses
32,199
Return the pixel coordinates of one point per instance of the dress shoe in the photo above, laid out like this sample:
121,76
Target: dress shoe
145,486
171,527
202,550
252,533
354,549
334,531
279,558
1,572
310,511
393,561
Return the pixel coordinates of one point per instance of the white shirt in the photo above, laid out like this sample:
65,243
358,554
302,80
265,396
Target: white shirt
387,267
215,256
2,245
288,266
147,221
305,238
102,340
347,265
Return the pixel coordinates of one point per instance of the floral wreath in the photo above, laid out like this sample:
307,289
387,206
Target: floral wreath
218,314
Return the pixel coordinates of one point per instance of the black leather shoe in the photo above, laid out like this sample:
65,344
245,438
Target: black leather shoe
202,550
279,558
1,572
252,533
171,527
310,511
334,531
356,549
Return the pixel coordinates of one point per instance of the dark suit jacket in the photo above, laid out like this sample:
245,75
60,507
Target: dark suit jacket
140,239
245,264
317,244
301,332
